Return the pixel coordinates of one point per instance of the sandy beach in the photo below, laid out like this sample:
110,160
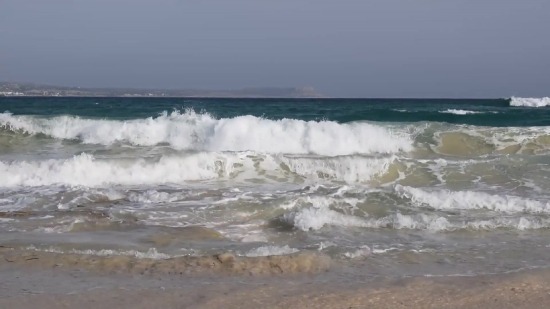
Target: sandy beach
33,279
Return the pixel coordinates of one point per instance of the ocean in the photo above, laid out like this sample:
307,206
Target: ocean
384,187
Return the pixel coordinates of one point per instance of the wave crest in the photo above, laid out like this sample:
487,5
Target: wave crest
201,132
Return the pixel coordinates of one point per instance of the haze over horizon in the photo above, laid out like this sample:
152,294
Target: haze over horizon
394,48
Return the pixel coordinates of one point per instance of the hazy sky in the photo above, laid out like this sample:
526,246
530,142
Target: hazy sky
379,48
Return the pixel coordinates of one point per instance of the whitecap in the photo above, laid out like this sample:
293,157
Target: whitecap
530,102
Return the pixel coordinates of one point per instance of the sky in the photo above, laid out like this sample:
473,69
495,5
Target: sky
346,48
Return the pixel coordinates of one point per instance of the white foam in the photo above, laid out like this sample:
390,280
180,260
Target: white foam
86,170
530,102
420,222
154,197
362,252
311,218
459,112
521,223
201,132
271,250
452,200
313,213
385,250
349,169
308,219
436,223
152,253
62,226
320,202
255,236
325,244
315,218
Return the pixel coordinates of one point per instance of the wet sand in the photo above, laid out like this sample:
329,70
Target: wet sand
33,279
221,264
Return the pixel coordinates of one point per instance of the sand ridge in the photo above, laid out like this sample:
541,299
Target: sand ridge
224,263
172,283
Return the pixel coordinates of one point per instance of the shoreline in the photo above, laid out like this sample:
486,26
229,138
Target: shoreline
223,263
31,280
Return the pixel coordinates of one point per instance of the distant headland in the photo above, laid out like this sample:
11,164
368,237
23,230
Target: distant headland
14,89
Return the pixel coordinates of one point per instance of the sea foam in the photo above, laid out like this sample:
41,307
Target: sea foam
202,132
87,170
312,218
530,102
459,112
453,200
271,250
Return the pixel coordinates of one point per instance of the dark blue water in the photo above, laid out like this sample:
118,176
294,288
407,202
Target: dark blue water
493,112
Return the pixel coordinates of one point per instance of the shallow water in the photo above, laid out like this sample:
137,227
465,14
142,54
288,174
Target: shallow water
385,187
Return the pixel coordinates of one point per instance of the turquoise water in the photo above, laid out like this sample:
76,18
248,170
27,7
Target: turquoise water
398,187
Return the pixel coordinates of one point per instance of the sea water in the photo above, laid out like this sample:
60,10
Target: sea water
385,187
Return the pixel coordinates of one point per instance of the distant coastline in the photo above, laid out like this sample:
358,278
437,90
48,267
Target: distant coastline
16,89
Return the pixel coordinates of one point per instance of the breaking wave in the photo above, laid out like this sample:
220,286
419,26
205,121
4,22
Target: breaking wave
201,132
459,112
312,219
86,170
530,102
270,251
465,200
315,213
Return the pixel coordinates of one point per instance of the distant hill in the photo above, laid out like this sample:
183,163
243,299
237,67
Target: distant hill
27,89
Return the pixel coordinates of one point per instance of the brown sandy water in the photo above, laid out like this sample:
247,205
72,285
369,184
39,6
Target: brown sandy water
48,280
225,263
